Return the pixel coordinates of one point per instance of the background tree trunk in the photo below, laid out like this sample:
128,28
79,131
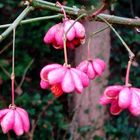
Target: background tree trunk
88,118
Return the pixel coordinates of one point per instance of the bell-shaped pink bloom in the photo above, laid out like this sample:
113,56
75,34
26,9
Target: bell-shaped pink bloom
74,37
63,79
92,67
120,98
16,119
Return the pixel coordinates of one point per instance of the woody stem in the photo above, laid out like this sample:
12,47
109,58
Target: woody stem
13,68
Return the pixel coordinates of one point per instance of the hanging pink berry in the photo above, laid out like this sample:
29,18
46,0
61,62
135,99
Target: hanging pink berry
63,79
75,36
120,98
92,67
16,119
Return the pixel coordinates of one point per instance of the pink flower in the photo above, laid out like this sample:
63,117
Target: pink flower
122,97
75,36
14,118
63,79
92,67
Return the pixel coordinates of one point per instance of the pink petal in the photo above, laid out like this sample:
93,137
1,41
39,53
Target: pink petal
124,98
135,102
79,29
25,118
101,63
115,109
59,35
98,66
17,127
84,78
7,121
44,84
105,100
113,91
83,66
71,32
67,83
77,82
90,71
46,69
50,35
3,112
56,76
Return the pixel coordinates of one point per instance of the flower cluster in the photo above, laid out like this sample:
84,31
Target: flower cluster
14,118
61,78
120,98
92,67
75,36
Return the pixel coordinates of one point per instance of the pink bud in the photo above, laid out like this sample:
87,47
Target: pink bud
79,29
135,102
99,66
59,35
50,35
71,33
124,98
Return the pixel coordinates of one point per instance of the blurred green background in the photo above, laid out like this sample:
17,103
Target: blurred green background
53,123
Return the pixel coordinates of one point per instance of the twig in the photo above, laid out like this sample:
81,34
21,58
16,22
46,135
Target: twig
6,47
15,23
131,54
31,20
24,74
31,133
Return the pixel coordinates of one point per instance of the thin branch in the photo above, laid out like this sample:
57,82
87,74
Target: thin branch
52,6
31,20
131,54
31,133
76,11
16,22
25,71
6,47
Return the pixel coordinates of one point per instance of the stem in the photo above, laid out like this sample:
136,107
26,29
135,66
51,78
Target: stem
15,23
31,20
63,10
88,56
13,68
98,31
65,49
25,71
128,73
131,54
65,40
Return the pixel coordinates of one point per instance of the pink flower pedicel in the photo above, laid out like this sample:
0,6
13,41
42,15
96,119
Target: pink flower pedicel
63,79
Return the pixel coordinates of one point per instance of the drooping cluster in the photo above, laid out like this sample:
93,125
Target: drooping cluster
61,78
14,118
120,98
92,67
74,37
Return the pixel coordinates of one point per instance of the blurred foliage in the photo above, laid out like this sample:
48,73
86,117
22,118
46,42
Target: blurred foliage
53,124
